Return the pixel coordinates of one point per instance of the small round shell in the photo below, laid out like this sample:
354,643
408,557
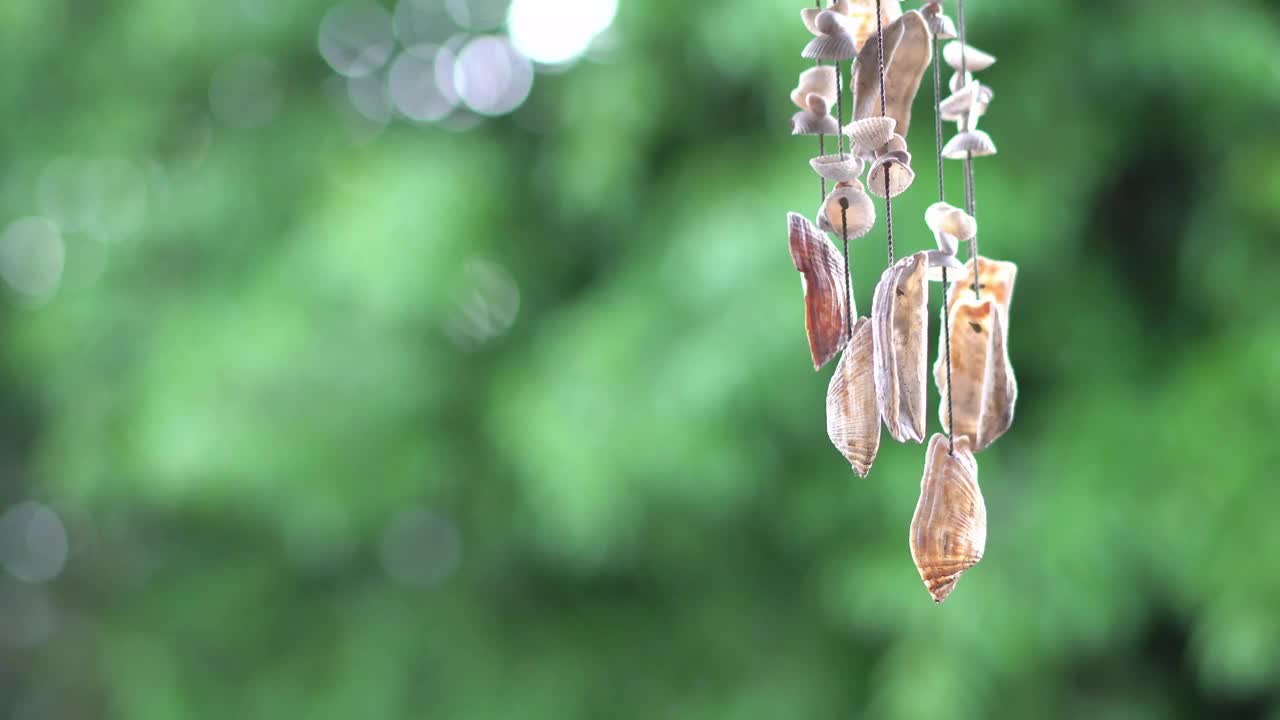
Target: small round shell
819,80
847,206
970,143
896,166
958,55
872,132
941,26
840,167
807,123
835,47
896,143
946,218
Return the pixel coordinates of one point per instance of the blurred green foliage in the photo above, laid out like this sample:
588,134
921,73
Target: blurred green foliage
292,492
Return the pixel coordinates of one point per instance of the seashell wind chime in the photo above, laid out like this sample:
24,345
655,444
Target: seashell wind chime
882,373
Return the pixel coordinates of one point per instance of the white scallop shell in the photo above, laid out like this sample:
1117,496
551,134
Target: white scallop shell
841,167
872,132
956,54
819,80
857,214
896,166
807,123
835,47
970,143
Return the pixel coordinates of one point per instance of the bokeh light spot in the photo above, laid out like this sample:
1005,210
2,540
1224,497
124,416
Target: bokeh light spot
478,14
368,95
487,305
32,256
33,542
491,77
421,83
423,21
420,548
557,31
356,38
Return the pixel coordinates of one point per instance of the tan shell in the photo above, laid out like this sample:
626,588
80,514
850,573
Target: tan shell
995,280
900,323
949,529
838,167
947,218
907,52
872,132
807,123
970,143
819,80
826,295
983,388
896,166
853,418
857,214
862,16
973,60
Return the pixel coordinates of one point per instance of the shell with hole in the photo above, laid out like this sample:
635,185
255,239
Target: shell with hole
984,391
870,133
995,280
847,209
966,57
819,80
907,52
853,418
949,528
842,167
822,272
834,43
893,168
899,325
969,143
941,26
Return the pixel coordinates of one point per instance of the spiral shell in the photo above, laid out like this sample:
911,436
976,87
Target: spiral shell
822,273
949,529
900,321
984,391
853,418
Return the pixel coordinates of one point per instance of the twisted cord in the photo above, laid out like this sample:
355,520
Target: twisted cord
884,110
970,203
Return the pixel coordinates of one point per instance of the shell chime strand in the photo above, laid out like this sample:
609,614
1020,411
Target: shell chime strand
882,375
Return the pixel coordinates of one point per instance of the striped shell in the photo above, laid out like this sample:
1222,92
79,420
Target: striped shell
949,529
899,325
853,418
970,143
871,132
825,292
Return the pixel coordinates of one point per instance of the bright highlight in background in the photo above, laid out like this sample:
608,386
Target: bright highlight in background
557,31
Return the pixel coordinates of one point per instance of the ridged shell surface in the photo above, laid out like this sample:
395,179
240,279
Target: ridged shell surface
853,417
822,274
900,323
949,529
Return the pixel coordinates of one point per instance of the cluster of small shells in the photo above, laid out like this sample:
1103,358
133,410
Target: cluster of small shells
882,375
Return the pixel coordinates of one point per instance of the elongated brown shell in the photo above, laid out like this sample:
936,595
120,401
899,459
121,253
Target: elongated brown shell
995,280
853,417
949,530
822,273
983,388
907,52
899,324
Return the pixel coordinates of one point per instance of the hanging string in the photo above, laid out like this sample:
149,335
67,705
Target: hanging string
884,110
822,139
970,203
848,269
942,197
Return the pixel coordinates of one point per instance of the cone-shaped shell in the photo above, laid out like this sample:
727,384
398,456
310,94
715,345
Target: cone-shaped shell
853,419
847,209
807,123
949,529
871,132
907,52
826,295
995,280
838,167
984,391
973,60
947,218
819,80
970,143
894,166
899,323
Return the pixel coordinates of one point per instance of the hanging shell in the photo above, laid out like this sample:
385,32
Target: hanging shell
942,217
825,291
984,391
970,143
819,80
949,529
834,42
861,14
957,81
809,16
896,167
941,26
870,133
847,209
900,323
969,99
853,418
995,280
958,55
844,167
907,52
